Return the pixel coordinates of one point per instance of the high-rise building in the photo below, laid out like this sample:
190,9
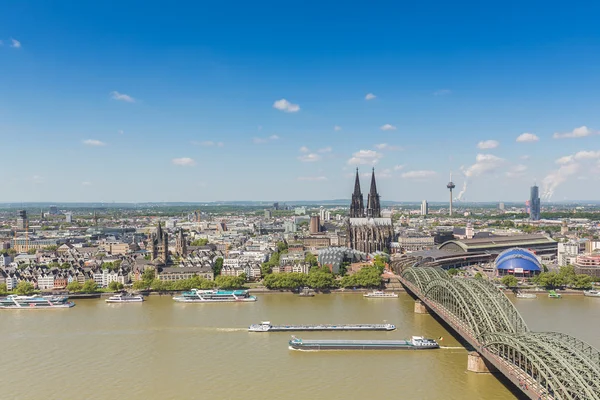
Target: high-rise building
451,187
268,214
68,217
501,206
53,210
534,204
315,224
424,207
324,214
21,219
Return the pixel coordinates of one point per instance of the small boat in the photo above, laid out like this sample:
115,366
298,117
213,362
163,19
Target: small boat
214,296
415,343
553,295
34,302
125,298
592,293
521,295
306,292
380,294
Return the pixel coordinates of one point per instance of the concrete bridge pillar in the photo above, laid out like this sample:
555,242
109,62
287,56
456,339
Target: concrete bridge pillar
478,364
420,308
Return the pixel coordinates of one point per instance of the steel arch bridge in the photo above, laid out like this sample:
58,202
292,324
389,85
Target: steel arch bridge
545,365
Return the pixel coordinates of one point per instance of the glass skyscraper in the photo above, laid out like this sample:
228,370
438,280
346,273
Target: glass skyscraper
534,204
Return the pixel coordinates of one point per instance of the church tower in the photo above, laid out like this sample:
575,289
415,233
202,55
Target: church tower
373,206
357,207
180,244
159,245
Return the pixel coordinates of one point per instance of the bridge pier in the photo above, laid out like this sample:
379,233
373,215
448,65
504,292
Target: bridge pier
478,364
420,308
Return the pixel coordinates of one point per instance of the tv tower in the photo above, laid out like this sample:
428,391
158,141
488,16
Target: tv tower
450,186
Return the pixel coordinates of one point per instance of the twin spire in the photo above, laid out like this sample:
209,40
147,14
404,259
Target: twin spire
357,208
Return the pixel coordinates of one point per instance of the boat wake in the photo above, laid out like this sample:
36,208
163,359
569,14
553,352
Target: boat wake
452,348
231,329
305,350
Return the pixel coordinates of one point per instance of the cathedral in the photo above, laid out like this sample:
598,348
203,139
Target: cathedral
158,245
367,230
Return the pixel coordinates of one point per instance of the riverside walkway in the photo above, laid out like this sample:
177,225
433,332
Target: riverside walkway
545,365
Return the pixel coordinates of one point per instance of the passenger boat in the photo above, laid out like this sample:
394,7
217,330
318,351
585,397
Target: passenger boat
267,327
306,292
16,302
415,343
521,295
214,296
553,295
380,294
592,293
125,298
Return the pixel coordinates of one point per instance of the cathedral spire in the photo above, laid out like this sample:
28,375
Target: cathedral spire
373,206
357,207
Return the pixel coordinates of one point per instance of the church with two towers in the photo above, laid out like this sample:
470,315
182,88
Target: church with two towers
367,230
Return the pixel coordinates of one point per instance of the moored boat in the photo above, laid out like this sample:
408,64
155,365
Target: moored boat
415,343
15,302
266,326
214,296
521,295
125,298
592,293
380,294
553,295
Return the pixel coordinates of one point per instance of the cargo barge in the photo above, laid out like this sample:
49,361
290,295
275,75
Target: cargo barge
266,326
415,343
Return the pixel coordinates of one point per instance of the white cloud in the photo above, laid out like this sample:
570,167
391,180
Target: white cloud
122,97
286,106
442,92
207,143
259,140
363,157
337,128
86,183
582,131
557,177
388,127
527,138
325,150
310,157
385,146
312,178
370,96
565,160
419,174
121,132
484,163
488,144
14,43
579,156
517,171
304,149
398,167
184,161
525,157
93,142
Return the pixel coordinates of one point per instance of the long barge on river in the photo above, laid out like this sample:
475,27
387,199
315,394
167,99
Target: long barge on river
415,343
266,326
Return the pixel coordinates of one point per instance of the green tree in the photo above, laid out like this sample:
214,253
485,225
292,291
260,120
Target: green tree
51,248
380,262
582,281
199,242
281,247
148,276
141,285
31,251
230,282
311,259
567,274
365,277
24,288
115,286
90,286
274,259
218,266
479,276
509,281
74,287
321,279
266,269
344,268
453,271
3,289
65,265
53,265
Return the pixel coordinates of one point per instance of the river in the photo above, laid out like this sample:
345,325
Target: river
166,350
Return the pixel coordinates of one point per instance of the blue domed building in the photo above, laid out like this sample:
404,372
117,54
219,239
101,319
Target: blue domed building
518,262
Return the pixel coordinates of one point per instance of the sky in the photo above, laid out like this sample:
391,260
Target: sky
136,101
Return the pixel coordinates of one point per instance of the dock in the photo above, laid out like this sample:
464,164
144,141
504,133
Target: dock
267,327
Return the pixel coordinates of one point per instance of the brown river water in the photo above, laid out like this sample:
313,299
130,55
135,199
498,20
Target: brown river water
166,350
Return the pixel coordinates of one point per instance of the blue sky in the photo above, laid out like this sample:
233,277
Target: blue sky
205,101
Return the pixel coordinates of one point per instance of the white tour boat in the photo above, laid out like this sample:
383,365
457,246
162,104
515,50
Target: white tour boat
592,293
125,298
380,294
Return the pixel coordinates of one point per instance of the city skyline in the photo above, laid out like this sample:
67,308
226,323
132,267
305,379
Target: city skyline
202,108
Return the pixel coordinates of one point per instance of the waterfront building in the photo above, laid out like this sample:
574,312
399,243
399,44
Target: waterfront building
367,231
534,204
521,263
588,265
424,207
172,274
567,252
